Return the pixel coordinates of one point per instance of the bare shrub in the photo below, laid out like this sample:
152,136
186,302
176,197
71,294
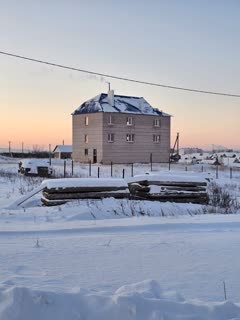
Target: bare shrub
8,175
22,183
132,208
220,200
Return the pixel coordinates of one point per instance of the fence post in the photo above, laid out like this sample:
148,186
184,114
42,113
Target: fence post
123,173
90,168
202,168
64,168
186,168
216,171
151,160
169,163
111,168
230,173
224,290
50,156
132,169
98,172
72,167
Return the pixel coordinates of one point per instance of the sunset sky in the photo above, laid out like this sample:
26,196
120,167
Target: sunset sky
184,43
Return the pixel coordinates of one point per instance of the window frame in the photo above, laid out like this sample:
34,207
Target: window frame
129,121
86,120
130,137
156,138
86,140
110,122
111,137
86,152
157,122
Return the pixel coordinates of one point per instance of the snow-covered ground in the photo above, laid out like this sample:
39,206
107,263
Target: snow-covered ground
95,260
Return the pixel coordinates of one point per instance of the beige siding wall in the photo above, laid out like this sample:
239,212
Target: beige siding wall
94,132
121,151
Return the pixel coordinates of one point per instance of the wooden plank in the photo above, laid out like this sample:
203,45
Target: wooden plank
173,194
48,203
202,200
172,183
141,182
84,189
133,187
183,188
157,196
85,195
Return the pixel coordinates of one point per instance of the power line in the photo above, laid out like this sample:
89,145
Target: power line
119,78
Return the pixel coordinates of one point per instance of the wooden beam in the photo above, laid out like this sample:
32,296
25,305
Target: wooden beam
85,195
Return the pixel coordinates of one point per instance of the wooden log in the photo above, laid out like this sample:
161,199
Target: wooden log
173,194
48,203
133,187
202,200
142,182
84,189
172,183
85,195
176,196
183,188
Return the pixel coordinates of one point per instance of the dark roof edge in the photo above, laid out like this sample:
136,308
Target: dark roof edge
160,114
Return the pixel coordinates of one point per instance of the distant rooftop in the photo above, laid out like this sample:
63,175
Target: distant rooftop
63,148
124,104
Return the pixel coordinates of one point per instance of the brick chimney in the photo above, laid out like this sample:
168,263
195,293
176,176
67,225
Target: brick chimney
111,97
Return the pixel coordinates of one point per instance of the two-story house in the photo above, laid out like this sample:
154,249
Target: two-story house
120,129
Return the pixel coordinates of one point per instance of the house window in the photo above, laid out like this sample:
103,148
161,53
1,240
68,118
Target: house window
86,152
110,137
156,138
86,138
156,123
130,137
86,120
129,121
110,120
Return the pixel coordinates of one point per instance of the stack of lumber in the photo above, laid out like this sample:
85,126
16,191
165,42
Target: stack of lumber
172,189
60,191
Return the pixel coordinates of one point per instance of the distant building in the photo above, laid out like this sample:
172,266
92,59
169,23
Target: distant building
121,129
62,152
192,150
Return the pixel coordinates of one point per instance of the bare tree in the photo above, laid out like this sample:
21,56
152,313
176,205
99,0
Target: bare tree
37,148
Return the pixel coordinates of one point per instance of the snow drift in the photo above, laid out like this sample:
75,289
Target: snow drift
140,301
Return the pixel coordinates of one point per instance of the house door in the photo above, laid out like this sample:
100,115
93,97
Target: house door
94,155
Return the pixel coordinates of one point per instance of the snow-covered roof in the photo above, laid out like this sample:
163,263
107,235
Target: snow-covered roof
63,148
124,104
34,163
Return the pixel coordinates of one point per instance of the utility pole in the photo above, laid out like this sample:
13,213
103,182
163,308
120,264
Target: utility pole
109,86
9,147
63,142
50,160
22,147
178,143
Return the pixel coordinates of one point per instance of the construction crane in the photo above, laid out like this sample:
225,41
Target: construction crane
174,153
